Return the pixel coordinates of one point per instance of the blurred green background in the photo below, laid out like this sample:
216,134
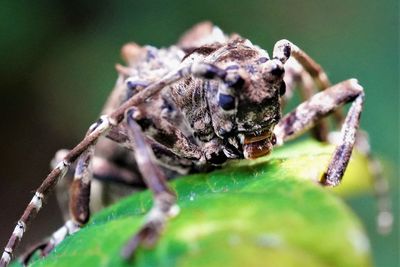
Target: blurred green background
57,68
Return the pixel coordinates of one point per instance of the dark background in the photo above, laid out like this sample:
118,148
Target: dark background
57,68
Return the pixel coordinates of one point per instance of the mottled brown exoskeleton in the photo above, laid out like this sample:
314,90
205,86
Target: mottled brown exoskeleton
190,108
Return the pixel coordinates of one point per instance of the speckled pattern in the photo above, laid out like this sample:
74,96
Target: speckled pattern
208,99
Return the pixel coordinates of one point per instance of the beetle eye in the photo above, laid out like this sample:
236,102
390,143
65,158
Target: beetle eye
282,89
227,102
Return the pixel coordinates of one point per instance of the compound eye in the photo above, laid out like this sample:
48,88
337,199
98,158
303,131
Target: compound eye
277,70
226,102
282,89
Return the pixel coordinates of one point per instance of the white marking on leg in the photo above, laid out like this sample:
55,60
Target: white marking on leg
104,125
59,235
63,167
72,227
67,229
19,229
93,127
6,257
37,200
58,157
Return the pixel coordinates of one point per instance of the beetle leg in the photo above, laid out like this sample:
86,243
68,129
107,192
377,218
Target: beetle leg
78,205
321,105
78,201
379,183
284,48
296,76
108,170
97,130
164,198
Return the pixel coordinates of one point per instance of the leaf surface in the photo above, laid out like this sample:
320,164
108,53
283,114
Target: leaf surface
264,212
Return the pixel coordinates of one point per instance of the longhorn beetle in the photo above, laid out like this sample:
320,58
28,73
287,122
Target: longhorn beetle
191,107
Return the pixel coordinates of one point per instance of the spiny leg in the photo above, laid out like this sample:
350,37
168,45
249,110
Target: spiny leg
164,198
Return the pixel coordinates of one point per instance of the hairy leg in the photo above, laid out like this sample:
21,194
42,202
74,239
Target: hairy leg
282,50
379,182
296,77
97,130
321,105
78,205
164,198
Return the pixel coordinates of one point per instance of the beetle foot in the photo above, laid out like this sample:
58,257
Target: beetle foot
150,232
44,248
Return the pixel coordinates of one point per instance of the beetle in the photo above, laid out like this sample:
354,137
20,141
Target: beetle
190,108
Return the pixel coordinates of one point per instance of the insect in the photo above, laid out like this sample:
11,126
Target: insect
190,108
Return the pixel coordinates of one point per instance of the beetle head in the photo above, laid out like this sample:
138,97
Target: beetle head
247,105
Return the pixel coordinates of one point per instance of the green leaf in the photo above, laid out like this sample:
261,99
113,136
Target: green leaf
264,212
